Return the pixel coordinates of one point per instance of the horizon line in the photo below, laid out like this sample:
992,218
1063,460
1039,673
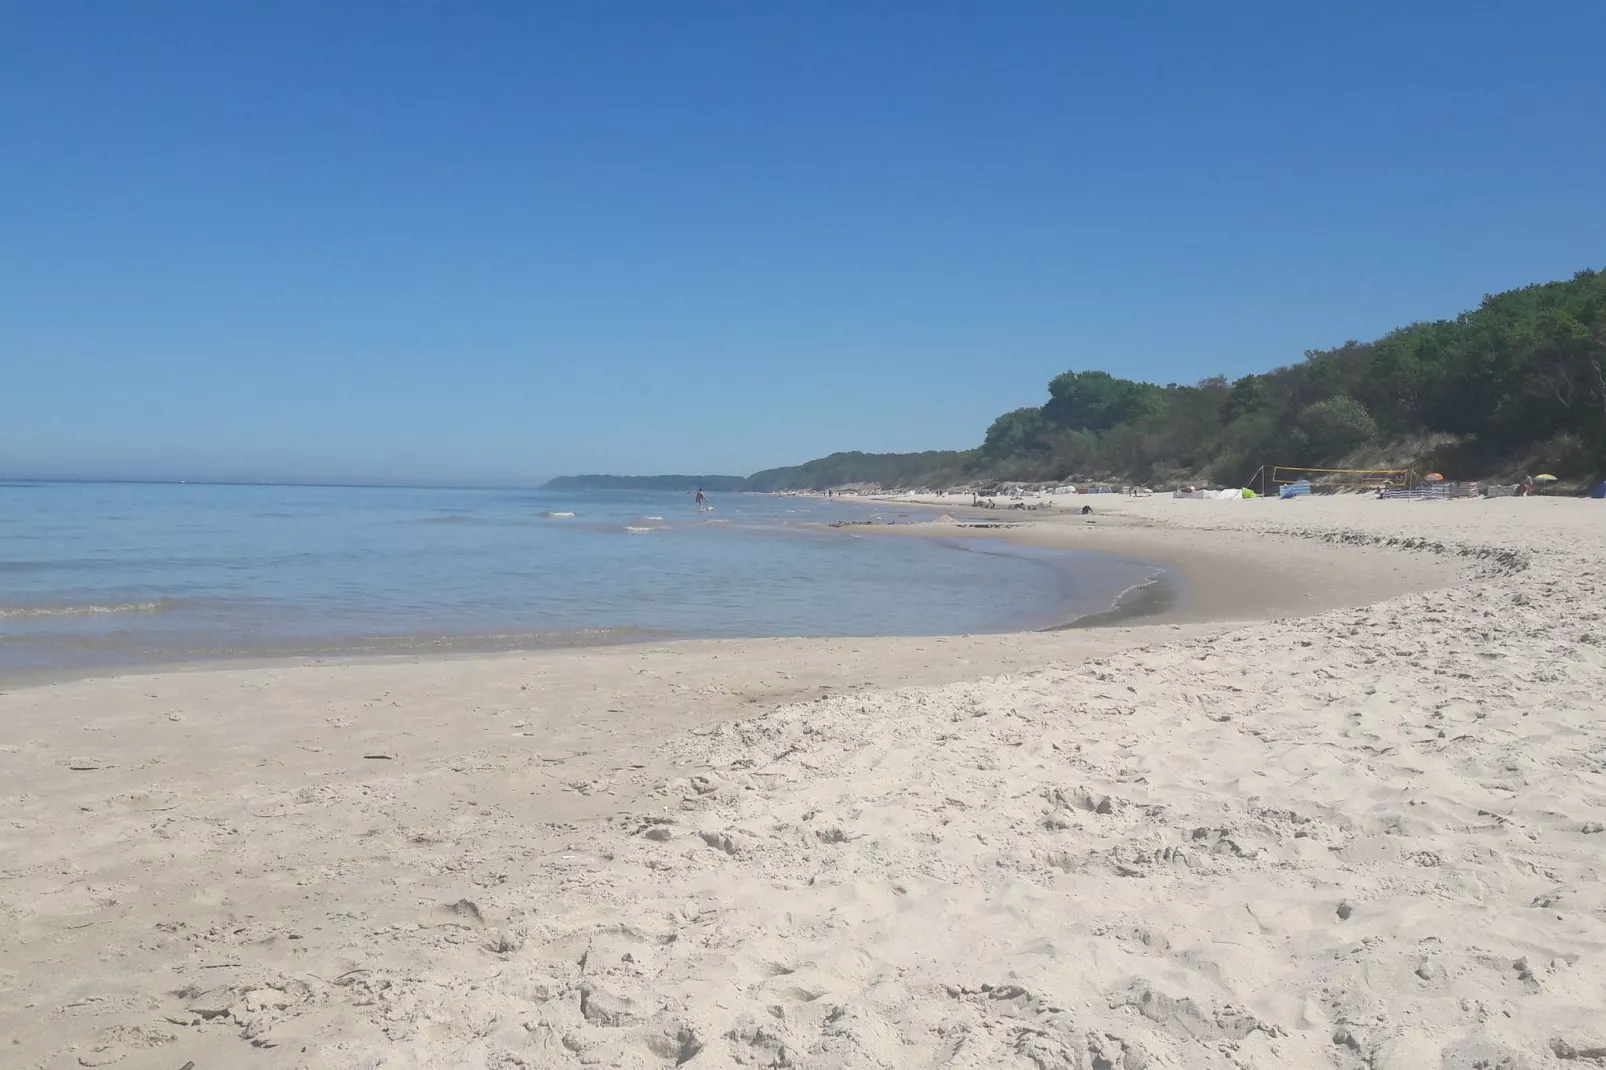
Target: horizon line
352,485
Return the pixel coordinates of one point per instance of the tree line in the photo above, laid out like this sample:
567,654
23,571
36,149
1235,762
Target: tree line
1519,383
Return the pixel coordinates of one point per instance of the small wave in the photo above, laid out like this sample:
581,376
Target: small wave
1149,596
652,518
556,516
448,518
157,605
633,528
716,521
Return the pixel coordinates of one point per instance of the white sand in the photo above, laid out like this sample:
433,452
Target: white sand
1365,838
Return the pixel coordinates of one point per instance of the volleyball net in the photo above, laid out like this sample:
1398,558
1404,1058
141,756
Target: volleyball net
1281,475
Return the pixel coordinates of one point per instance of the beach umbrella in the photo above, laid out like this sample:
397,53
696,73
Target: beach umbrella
1433,477
1546,478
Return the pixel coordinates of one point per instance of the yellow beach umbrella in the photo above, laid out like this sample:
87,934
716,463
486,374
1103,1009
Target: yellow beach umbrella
1546,478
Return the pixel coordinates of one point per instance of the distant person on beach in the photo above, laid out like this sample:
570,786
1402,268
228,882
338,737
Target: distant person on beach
702,499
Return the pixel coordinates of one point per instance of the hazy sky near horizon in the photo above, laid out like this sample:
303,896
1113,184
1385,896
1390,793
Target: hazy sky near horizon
502,241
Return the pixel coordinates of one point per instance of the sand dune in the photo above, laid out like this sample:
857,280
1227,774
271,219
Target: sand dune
1369,837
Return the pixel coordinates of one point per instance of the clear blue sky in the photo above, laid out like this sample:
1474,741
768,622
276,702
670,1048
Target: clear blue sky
505,241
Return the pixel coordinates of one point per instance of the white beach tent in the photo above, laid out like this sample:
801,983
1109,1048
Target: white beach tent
1210,495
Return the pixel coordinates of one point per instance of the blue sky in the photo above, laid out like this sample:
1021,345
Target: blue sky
505,241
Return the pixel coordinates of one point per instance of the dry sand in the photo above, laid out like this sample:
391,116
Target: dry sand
1370,836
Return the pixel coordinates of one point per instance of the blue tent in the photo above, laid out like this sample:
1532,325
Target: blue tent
1599,491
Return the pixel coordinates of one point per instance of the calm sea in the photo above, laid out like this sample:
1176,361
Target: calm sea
97,575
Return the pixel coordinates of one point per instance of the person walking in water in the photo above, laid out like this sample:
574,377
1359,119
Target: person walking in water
702,499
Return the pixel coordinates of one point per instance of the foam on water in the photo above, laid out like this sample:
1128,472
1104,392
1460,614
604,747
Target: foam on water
24,612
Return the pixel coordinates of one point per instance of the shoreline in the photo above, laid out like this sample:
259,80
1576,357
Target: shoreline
1216,576
1328,821
92,656
1152,597
1199,579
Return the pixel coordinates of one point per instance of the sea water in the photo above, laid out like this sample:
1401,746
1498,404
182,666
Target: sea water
102,575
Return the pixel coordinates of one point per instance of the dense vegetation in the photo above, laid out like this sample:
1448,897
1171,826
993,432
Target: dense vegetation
1518,384
888,469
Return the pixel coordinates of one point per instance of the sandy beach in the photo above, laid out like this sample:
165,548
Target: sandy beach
1341,805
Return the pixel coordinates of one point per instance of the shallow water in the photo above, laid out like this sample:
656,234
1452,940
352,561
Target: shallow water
109,574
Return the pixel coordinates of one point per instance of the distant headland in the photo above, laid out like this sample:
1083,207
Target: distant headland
1510,388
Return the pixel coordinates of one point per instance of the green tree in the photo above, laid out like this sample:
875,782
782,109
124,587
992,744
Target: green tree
1022,431
1098,401
1335,427
1248,395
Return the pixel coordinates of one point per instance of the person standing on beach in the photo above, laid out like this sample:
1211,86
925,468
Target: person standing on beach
702,499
